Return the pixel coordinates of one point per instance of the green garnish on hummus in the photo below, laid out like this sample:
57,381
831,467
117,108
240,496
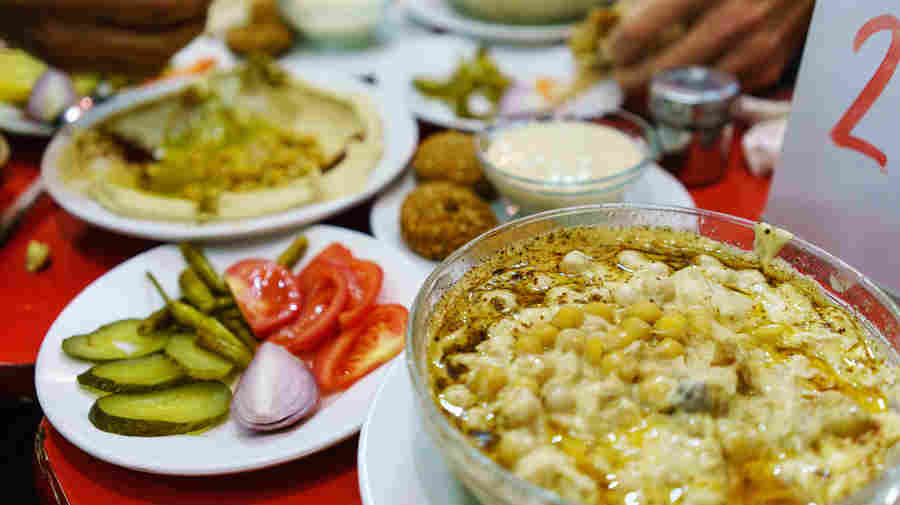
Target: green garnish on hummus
242,143
220,150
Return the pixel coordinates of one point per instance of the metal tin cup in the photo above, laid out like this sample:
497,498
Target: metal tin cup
692,106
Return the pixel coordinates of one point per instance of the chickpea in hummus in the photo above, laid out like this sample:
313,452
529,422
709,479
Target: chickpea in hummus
638,366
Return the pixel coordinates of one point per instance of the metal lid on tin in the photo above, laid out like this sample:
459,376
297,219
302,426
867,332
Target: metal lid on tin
693,97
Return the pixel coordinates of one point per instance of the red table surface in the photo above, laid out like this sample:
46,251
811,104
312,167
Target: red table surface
81,253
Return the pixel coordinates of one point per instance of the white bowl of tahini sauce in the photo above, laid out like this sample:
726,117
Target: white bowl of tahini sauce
548,164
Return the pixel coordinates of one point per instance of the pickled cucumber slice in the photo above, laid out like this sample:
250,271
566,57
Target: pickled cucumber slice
172,411
117,340
199,363
136,375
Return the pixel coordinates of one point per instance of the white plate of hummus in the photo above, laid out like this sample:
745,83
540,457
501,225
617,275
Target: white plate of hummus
442,15
247,161
538,74
124,292
656,186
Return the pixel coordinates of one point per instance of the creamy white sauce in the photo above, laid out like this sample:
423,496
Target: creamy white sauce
564,152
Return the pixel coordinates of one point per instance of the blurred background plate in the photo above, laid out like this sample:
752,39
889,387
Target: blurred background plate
437,56
440,14
13,120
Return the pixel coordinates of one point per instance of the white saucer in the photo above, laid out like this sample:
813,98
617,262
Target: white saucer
440,14
656,186
397,462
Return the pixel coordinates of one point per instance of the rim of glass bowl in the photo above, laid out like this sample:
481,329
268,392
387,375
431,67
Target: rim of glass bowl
884,483
649,136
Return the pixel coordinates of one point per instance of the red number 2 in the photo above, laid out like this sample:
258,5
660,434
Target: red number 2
841,133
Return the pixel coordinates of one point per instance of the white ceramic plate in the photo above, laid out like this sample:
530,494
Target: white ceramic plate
398,464
656,186
441,15
395,29
227,448
13,120
400,138
436,57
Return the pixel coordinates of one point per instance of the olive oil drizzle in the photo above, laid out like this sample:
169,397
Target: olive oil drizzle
754,481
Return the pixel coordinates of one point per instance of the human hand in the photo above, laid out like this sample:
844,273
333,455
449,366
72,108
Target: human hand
752,39
130,37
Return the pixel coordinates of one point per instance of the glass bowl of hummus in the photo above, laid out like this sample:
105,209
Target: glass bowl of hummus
631,354
552,162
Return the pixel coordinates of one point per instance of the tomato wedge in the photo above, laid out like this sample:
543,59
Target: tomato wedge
364,279
266,293
359,350
364,286
334,254
319,317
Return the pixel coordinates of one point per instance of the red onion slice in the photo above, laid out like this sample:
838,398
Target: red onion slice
50,96
276,390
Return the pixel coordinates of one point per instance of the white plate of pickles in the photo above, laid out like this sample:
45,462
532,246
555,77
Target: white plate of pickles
227,446
509,82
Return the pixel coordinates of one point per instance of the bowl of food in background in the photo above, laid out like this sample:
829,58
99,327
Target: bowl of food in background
526,12
335,23
33,94
265,30
550,162
645,354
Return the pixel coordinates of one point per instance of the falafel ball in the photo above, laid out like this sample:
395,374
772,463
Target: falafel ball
448,156
439,217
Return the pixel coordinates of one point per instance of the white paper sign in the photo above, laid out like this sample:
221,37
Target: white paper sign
838,180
